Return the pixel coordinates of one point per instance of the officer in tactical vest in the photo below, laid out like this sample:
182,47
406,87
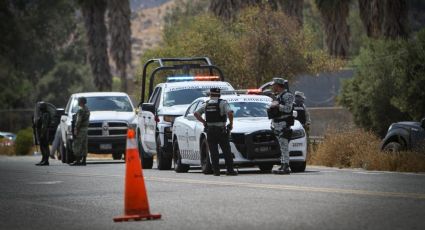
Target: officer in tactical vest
80,133
216,113
302,113
280,112
43,134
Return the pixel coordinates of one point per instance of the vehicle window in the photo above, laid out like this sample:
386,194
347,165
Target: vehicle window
249,109
106,103
68,105
154,95
158,98
183,97
191,108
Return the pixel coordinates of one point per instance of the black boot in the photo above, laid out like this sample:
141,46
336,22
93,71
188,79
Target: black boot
283,169
83,161
40,163
77,162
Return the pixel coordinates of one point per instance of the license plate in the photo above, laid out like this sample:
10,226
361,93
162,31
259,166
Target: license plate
105,146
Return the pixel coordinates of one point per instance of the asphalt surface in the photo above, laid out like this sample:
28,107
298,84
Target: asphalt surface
64,197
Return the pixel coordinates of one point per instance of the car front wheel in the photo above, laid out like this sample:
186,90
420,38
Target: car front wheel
178,166
205,158
393,147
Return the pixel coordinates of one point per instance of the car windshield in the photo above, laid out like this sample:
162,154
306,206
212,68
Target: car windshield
106,103
183,97
249,109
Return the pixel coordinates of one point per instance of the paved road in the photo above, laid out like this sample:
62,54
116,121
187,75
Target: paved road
64,197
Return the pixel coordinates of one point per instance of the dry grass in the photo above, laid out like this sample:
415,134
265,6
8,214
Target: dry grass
360,149
7,150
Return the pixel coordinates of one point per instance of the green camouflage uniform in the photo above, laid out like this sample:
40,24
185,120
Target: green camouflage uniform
81,126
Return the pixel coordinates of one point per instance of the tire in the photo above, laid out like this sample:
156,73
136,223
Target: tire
206,166
393,147
298,166
62,151
178,166
69,153
147,162
117,156
164,163
266,167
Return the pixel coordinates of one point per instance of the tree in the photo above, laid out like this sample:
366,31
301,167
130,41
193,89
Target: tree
94,20
334,17
120,32
394,24
372,15
388,84
293,9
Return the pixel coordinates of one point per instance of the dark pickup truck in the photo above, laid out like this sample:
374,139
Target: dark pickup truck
405,135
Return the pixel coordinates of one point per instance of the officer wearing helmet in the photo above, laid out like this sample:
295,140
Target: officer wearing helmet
280,112
80,133
216,113
302,113
42,125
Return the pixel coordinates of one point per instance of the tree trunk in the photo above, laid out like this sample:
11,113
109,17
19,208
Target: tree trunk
395,19
334,16
228,9
372,15
94,20
120,33
292,8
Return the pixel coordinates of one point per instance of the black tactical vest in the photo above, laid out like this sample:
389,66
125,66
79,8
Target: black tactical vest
212,112
300,112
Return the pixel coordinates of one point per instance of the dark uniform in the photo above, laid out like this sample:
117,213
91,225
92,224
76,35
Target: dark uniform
43,134
282,119
302,113
81,132
216,111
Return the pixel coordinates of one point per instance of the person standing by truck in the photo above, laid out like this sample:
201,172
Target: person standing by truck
42,127
81,133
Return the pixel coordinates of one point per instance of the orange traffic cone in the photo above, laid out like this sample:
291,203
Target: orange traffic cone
136,206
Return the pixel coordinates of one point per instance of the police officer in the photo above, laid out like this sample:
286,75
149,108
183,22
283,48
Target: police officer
80,132
302,113
216,113
43,134
281,113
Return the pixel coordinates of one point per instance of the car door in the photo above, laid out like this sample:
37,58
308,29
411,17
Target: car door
65,120
148,123
184,129
194,134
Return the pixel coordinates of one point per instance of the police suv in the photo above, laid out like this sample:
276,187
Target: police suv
252,141
186,80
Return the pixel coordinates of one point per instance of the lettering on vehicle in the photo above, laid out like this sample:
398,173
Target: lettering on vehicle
250,99
197,87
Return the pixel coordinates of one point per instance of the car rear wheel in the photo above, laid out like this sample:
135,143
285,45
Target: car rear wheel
205,158
147,162
393,147
117,156
265,167
298,166
178,166
164,163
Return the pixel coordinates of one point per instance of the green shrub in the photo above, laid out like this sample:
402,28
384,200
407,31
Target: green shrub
388,85
24,142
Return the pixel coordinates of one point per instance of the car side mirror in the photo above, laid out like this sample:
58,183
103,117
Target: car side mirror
423,123
191,117
148,107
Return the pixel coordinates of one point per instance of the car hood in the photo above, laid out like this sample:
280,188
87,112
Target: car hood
410,124
112,116
175,110
252,124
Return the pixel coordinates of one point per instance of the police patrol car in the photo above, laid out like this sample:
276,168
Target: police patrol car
169,100
252,140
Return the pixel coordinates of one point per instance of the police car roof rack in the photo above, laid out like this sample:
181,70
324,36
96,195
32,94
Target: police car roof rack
184,64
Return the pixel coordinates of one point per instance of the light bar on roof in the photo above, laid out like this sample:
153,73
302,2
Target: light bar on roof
192,78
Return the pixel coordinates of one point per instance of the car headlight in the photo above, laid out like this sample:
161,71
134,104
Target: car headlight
298,133
169,118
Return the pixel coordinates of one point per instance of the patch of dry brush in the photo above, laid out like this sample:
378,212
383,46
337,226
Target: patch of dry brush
360,149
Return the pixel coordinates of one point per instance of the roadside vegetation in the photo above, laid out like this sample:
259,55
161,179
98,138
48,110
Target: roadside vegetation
357,148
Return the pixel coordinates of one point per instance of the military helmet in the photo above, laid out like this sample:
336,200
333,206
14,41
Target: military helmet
215,91
82,100
43,106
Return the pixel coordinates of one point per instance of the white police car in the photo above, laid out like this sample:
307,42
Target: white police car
252,140
187,79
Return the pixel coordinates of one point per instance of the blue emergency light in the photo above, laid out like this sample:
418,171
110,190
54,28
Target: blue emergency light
192,78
